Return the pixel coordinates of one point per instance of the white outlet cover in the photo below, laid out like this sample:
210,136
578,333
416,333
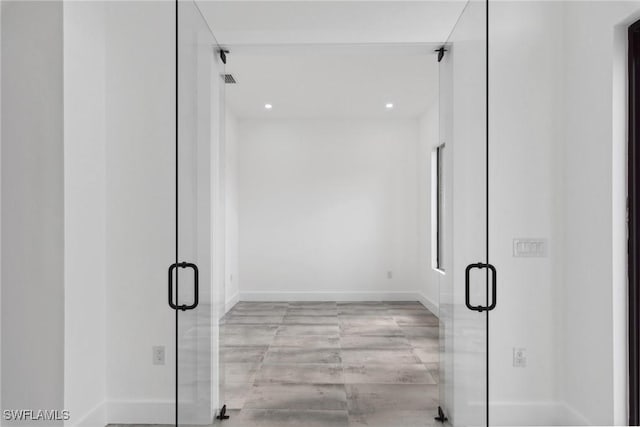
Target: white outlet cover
519,357
158,354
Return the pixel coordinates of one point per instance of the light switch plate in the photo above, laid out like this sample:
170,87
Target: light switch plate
530,248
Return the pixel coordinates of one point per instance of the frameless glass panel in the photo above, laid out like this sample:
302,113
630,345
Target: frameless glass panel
199,224
463,373
557,211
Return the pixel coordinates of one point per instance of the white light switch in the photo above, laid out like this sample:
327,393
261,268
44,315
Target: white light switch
529,247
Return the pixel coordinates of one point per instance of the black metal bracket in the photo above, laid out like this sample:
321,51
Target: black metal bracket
441,418
196,286
223,414
467,274
223,55
441,52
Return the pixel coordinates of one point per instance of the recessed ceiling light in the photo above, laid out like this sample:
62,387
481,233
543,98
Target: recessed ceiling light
268,106
389,105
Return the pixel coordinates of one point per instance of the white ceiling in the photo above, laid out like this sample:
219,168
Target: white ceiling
332,82
329,22
331,58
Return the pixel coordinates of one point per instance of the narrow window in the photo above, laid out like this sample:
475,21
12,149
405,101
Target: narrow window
438,206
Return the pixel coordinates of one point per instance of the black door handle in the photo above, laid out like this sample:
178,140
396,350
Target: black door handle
467,273
184,307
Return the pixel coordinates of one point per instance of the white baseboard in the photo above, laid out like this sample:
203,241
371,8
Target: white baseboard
329,296
575,417
140,412
96,417
535,414
228,305
429,304
156,412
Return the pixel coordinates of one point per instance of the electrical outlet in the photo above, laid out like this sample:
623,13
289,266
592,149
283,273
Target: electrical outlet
389,274
519,357
158,354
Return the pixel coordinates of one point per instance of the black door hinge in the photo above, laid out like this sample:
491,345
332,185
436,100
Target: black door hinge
223,414
441,52
223,56
441,418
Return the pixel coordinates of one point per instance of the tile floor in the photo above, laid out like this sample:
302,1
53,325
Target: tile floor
330,364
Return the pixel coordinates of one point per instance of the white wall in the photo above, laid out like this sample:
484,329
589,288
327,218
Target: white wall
594,219
558,172
33,206
429,139
32,200
140,209
327,208
232,270
85,213
1,259
525,176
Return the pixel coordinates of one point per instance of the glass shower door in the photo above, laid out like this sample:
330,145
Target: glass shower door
199,268
465,291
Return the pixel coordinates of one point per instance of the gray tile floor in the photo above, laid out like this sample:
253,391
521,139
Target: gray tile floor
330,364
